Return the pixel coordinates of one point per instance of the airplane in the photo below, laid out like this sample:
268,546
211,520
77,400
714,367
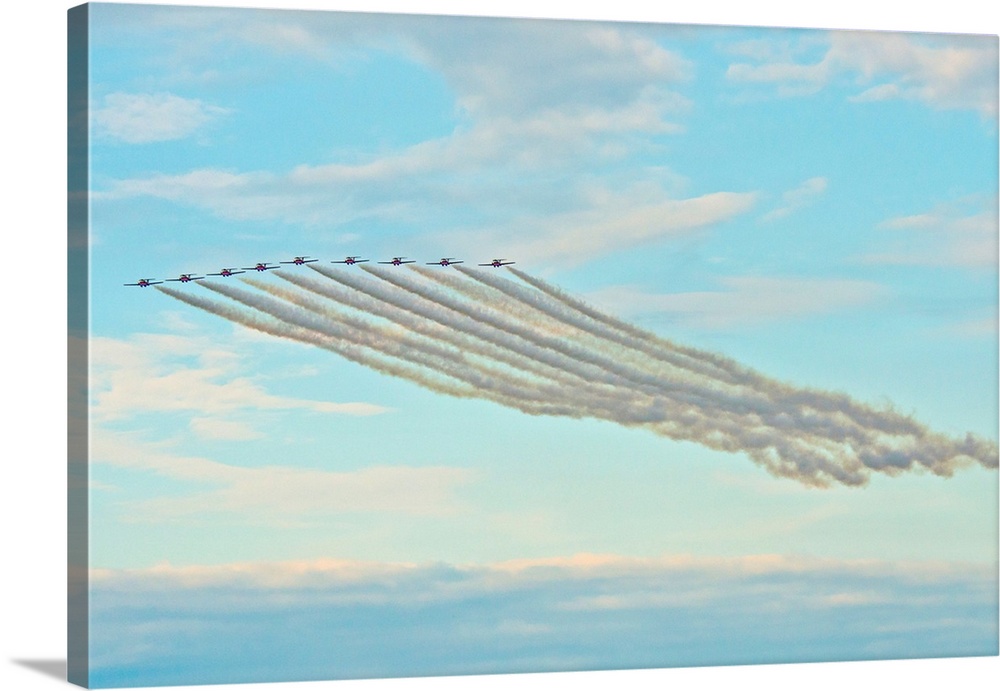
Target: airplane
301,260
396,261
144,283
185,278
497,263
260,266
447,261
227,272
350,260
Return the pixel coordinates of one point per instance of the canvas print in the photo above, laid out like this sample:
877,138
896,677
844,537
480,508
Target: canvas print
409,345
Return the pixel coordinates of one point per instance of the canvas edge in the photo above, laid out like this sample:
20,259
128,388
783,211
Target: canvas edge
78,299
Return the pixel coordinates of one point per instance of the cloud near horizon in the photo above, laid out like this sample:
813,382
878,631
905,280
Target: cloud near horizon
583,611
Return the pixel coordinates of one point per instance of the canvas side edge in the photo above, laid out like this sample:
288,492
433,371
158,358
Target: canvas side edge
78,298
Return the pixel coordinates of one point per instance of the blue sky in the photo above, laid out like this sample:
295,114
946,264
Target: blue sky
819,206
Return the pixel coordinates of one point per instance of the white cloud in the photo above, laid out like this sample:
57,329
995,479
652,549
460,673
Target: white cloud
745,300
414,181
636,576
521,68
947,72
275,494
547,615
145,118
805,194
975,328
612,222
962,234
160,373
539,100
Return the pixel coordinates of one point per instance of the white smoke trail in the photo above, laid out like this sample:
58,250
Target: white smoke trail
276,327
439,327
606,367
551,384
886,420
528,398
542,351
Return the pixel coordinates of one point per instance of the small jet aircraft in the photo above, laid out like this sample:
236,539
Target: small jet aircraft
396,261
144,283
447,261
227,272
497,263
301,260
261,266
185,278
350,260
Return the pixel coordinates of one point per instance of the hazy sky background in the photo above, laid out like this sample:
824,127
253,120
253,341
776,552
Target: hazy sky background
818,206
761,268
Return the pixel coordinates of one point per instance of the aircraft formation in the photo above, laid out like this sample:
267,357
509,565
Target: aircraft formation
299,261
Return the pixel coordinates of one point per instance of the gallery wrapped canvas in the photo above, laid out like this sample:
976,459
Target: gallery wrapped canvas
414,345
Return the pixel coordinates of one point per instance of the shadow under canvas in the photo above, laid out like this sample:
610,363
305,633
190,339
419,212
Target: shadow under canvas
51,668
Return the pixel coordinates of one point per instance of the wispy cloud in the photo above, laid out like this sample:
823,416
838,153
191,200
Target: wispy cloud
413,182
745,300
275,494
791,201
962,234
947,72
533,100
582,611
150,373
146,118
617,221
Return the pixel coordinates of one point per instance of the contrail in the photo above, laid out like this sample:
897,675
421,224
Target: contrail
457,317
439,327
566,313
533,347
274,327
492,384
859,426
887,420
605,367
589,399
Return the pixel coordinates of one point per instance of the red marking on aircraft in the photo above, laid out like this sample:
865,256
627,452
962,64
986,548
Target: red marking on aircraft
299,261
396,261
227,272
185,278
145,283
497,263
